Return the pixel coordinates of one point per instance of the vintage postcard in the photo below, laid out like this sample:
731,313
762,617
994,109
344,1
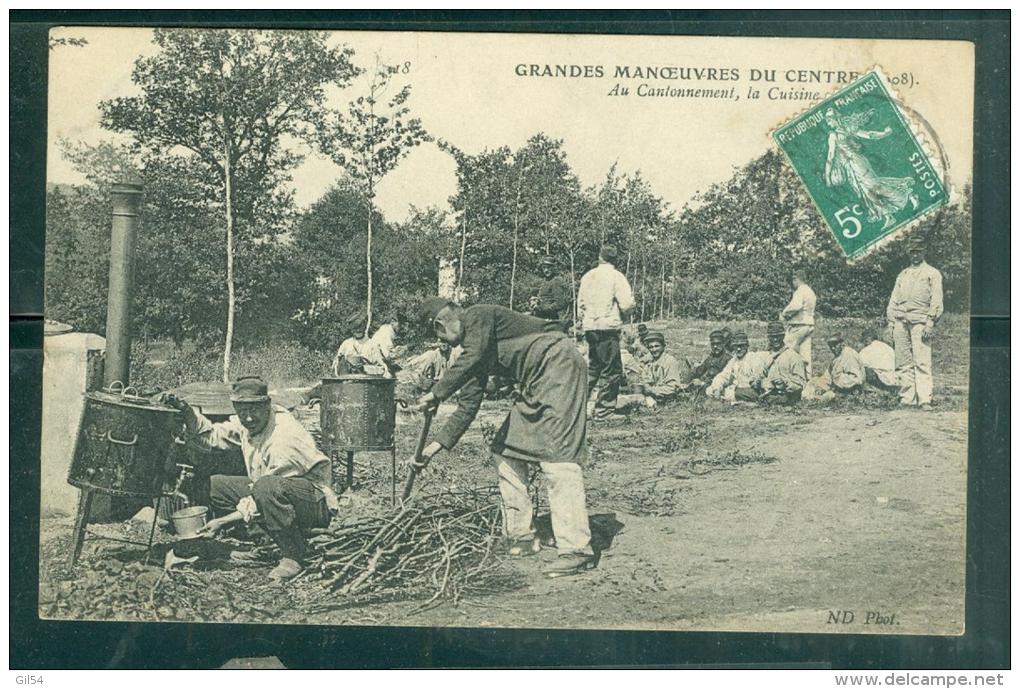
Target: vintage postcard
507,330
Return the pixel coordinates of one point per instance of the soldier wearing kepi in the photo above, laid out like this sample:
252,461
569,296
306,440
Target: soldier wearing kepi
744,369
799,317
785,374
546,425
915,306
718,356
289,484
553,299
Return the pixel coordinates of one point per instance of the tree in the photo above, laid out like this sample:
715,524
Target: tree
227,99
368,141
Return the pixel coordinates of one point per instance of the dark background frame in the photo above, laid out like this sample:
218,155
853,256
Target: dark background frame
39,643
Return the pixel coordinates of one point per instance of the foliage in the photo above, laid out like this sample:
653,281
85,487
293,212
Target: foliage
178,273
282,364
328,243
368,141
225,101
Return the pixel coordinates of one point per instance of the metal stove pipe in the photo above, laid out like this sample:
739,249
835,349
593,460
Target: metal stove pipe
126,200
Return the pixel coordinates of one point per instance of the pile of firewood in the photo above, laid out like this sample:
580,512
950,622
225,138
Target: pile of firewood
438,547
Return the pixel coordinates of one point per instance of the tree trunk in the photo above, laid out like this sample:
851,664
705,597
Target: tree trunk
573,284
638,274
368,264
672,288
662,290
517,224
460,266
229,207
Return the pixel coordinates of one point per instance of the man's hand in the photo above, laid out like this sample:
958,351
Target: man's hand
427,454
426,401
928,334
211,527
171,400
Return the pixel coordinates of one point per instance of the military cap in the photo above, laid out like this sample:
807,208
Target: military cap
431,307
717,336
654,337
642,329
835,339
916,240
739,337
249,389
775,328
608,253
548,261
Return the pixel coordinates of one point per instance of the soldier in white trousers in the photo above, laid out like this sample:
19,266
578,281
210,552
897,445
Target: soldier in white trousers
915,305
799,318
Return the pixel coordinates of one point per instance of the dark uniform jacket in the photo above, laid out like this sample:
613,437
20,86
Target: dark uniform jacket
554,297
494,342
710,367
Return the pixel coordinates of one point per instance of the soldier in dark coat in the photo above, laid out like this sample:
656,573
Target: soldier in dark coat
546,425
554,296
718,356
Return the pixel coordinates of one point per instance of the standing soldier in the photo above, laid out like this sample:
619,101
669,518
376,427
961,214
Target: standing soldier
552,301
799,316
915,305
604,298
546,424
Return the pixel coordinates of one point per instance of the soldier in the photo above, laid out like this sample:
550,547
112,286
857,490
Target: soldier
879,362
734,383
846,371
799,316
718,356
915,306
553,300
785,373
546,424
604,298
288,488
663,379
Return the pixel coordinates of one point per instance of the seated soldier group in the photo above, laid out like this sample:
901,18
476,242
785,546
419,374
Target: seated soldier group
732,373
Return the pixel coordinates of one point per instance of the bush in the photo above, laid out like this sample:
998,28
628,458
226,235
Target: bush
283,364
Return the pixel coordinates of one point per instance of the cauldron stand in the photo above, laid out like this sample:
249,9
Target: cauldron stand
138,467
358,413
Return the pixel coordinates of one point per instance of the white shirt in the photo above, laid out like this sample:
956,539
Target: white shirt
801,309
880,358
350,349
603,297
379,350
917,295
739,373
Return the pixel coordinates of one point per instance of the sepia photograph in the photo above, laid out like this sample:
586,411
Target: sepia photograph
517,330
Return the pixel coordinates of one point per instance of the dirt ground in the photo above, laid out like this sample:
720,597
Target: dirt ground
846,519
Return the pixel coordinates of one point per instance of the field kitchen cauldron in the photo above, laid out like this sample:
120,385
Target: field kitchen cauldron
358,413
127,446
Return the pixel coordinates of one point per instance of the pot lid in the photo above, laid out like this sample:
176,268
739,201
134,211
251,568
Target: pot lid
210,397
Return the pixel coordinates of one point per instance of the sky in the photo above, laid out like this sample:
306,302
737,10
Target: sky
466,88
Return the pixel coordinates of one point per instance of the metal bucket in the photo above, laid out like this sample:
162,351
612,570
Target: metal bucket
126,445
189,520
357,412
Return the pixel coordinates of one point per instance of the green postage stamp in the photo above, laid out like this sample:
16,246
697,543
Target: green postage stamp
864,165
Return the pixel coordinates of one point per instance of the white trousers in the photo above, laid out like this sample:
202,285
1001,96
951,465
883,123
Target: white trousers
913,363
566,502
798,338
